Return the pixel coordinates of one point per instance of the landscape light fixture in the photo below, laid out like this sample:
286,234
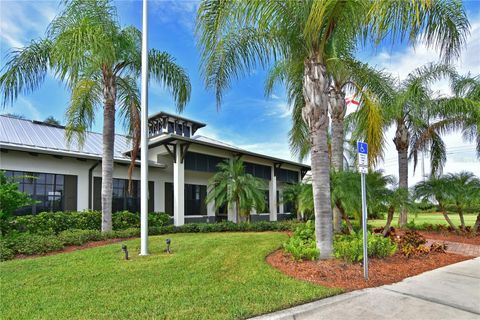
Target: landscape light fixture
168,241
125,250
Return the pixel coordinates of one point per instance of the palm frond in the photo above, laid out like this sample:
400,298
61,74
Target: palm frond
80,114
163,68
25,70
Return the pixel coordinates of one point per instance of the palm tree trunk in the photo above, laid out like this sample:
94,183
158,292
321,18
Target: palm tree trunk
391,211
401,143
447,218
476,225
344,215
315,114
337,111
462,220
109,94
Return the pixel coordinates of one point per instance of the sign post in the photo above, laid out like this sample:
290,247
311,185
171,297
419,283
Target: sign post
363,168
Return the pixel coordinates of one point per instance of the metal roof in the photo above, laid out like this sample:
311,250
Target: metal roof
35,136
201,140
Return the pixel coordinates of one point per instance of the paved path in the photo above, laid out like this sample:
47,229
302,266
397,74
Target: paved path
460,248
451,292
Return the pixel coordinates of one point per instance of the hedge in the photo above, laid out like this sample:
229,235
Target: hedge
26,243
56,222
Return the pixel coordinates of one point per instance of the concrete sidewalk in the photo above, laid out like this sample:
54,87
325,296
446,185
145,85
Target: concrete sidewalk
451,292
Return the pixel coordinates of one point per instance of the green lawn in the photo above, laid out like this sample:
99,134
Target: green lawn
209,276
434,218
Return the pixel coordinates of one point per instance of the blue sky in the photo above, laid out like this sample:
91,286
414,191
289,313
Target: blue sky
247,118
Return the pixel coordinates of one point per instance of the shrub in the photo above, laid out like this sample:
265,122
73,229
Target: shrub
158,219
350,247
56,222
10,200
302,244
29,244
125,219
79,237
412,243
6,253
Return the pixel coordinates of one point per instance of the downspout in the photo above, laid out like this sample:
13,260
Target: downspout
90,182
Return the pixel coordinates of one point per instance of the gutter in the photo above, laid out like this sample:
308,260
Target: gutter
90,183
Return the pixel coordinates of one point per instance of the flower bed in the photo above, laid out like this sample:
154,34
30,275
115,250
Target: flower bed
339,274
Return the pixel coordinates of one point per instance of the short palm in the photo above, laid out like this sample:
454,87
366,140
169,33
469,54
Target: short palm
100,62
238,190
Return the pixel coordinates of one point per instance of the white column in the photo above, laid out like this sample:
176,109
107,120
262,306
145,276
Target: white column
178,189
273,196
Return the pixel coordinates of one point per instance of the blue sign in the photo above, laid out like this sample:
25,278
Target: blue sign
362,147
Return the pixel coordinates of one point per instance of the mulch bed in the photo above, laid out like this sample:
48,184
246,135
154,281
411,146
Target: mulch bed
451,236
87,245
339,274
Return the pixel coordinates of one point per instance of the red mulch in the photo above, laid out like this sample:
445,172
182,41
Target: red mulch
451,236
87,245
339,274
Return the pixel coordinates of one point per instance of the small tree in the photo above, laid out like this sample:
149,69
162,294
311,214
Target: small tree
437,189
291,195
462,191
239,190
52,121
10,200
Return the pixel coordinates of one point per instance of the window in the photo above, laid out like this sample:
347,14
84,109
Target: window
258,170
48,190
285,175
186,131
121,198
194,199
170,127
201,162
266,196
179,129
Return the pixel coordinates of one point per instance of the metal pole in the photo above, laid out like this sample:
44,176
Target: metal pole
364,227
144,138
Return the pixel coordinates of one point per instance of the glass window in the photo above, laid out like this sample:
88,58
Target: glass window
45,188
186,131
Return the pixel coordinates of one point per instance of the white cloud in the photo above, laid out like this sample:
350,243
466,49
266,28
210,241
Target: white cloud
25,108
181,12
460,154
22,21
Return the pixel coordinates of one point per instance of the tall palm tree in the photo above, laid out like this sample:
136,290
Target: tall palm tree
99,61
419,119
241,191
345,74
237,36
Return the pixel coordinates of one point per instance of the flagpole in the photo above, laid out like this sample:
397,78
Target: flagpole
144,138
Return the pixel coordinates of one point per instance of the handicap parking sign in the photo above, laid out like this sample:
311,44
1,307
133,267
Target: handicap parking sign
362,147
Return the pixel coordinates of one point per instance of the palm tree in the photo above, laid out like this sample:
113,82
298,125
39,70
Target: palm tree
411,110
241,191
52,121
236,37
86,48
462,191
291,195
345,74
396,199
435,188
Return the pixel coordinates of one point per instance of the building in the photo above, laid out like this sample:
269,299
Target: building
67,177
